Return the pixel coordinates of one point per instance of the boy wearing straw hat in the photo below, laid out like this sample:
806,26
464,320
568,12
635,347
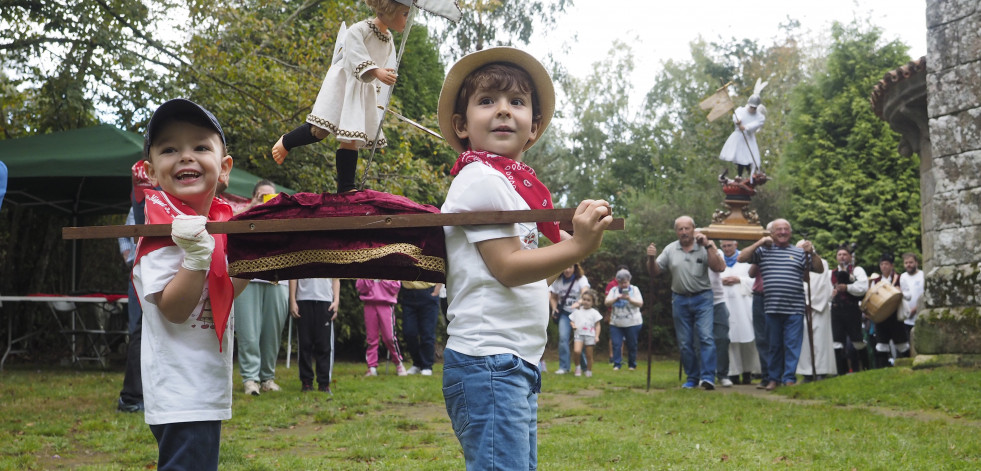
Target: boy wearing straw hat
493,106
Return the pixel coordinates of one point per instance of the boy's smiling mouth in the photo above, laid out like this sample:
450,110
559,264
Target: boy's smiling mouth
503,129
187,175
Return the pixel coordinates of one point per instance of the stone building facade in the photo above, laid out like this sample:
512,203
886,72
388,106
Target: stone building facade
935,103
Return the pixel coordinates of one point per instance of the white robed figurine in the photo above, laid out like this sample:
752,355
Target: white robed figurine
741,147
824,353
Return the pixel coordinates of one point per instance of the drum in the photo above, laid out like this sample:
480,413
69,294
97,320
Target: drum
881,301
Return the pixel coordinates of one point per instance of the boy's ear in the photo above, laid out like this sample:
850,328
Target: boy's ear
226,170
148,168
460,126
535,126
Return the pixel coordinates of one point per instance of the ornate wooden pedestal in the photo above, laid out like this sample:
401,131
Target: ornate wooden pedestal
736,222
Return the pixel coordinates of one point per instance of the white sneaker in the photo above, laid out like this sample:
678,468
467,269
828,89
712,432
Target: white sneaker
426,372
400,370
252,387
560,371
578,371
589,374
414,370
372,371
726,383
269,385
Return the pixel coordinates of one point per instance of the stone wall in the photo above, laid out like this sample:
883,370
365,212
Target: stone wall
950,183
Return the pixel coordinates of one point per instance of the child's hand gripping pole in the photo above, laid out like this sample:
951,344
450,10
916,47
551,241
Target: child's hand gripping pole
189,233
592,217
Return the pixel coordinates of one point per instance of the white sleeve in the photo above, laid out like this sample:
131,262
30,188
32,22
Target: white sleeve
480,189
356,58
156,269
861,284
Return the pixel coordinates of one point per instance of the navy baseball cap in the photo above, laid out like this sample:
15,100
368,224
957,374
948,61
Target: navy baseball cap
178,107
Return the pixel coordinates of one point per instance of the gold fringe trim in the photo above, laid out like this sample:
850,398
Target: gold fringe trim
337,257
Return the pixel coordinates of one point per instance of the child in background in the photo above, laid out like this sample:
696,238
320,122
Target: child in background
379,298
347,105
494,105
314,303
586,322
183,284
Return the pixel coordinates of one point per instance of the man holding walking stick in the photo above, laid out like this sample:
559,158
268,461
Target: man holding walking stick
783,267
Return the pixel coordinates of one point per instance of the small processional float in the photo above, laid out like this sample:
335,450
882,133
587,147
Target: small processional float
735,221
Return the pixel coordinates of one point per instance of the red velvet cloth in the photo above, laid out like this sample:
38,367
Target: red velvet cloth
389,254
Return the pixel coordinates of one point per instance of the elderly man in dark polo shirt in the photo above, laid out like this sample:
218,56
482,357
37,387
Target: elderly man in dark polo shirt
689,259
782,266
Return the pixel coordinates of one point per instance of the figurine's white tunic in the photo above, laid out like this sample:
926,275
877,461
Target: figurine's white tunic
347,104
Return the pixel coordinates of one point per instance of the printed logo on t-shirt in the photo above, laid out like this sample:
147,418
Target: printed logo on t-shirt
205,319
529,236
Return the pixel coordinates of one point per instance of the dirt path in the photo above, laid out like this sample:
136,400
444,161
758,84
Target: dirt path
923,415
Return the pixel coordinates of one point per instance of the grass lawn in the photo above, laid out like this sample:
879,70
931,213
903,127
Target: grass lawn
894,418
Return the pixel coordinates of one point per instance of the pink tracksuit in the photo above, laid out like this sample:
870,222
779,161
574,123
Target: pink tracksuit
379,297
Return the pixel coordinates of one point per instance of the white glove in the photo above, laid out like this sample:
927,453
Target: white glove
189,233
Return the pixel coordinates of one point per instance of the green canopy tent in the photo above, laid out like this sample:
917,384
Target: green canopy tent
84,172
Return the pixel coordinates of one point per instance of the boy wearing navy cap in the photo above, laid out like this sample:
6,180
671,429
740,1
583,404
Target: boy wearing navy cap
183,285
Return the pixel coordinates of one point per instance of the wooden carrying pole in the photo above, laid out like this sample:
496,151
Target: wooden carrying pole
380,221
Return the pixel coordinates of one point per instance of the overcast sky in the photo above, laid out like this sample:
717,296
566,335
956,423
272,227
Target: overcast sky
662,30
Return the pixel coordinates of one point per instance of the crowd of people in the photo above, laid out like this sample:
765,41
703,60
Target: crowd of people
776,311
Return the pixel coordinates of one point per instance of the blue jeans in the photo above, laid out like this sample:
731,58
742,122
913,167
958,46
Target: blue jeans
784,333
693,318
419,312
617,336
565,336
492,402
187,445
720,333
759,331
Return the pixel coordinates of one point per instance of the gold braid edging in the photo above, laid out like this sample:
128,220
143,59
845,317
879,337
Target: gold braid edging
378,34
360,68
337,257
343,133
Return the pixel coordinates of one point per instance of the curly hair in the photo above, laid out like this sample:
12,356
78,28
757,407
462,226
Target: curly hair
384,7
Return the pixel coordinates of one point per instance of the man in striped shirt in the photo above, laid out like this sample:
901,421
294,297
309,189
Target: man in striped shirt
782,266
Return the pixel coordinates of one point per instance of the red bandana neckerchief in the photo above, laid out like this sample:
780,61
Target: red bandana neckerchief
522,179
162,208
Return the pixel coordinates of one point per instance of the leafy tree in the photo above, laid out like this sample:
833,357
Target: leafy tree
488,23
851,183
84,59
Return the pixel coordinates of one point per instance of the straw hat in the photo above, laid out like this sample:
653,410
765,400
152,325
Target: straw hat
476,60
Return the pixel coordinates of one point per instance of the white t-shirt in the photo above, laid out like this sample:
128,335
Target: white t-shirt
912,288
625,314
315,289
562,286
185,377
715,278
486,317
585,321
